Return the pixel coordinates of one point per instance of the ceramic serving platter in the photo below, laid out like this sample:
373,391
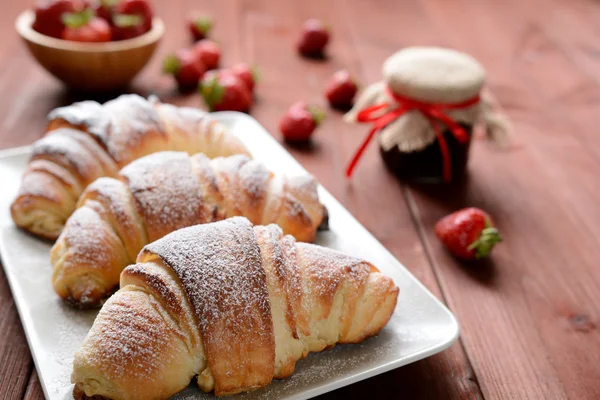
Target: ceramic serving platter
420,326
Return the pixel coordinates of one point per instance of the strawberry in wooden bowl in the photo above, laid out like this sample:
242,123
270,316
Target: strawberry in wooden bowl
92,45
86,27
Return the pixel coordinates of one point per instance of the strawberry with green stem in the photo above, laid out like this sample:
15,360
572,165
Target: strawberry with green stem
48,16
187,69
200,27
225,92
127,26
250,76
300,121
84,26
105,9
469,233
140,8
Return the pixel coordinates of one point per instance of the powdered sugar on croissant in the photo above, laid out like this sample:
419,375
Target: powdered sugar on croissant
161,193
232,304
88,140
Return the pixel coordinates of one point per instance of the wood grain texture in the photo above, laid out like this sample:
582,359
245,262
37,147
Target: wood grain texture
15,362
529,315
529,326
34,389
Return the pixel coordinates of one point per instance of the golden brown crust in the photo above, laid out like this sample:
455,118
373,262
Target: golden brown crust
125,127
86,266
115,198
228,292
43,212
239,306
157,284
104,160
183,122
279,259
61,149
207,179
145,354
51,169
166,191
88,140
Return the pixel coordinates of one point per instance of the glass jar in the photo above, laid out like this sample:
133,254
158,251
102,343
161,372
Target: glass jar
426,165
426,93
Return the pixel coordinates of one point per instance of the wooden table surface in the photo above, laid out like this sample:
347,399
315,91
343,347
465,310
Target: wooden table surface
529,316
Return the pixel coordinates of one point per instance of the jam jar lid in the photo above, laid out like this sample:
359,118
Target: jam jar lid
426,92
427,74
434,75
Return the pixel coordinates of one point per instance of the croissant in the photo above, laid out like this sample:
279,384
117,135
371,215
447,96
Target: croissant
231,304
159,194
88,140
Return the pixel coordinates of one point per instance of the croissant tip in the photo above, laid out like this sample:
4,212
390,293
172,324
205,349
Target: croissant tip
79,394
324,225
89,302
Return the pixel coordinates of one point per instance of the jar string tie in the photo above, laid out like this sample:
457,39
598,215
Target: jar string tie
432,111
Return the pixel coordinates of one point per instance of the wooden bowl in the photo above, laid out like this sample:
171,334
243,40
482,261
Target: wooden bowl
97,67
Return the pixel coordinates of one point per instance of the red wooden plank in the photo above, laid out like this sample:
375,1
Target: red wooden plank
539,301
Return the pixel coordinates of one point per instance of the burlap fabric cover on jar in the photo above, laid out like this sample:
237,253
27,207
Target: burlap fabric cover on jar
424,111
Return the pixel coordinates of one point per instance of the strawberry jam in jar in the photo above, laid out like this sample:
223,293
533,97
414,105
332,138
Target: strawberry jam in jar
423,113
426,165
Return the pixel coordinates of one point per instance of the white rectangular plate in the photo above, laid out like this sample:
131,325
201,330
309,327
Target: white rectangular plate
420,326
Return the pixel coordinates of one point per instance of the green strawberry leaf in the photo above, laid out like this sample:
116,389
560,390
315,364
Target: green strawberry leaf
171,65
486,241
317,113
109,3
204,24
127,20
79,19
212,92
256,74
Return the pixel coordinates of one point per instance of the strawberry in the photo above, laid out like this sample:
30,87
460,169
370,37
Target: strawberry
313,39
300,121
126,26
212,74
140,8
200,27
468,233
209,52
185,67
85,27
340,90
249,75
48,16
104,9
225,92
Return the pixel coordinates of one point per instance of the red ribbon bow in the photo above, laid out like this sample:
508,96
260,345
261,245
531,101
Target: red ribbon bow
432,111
